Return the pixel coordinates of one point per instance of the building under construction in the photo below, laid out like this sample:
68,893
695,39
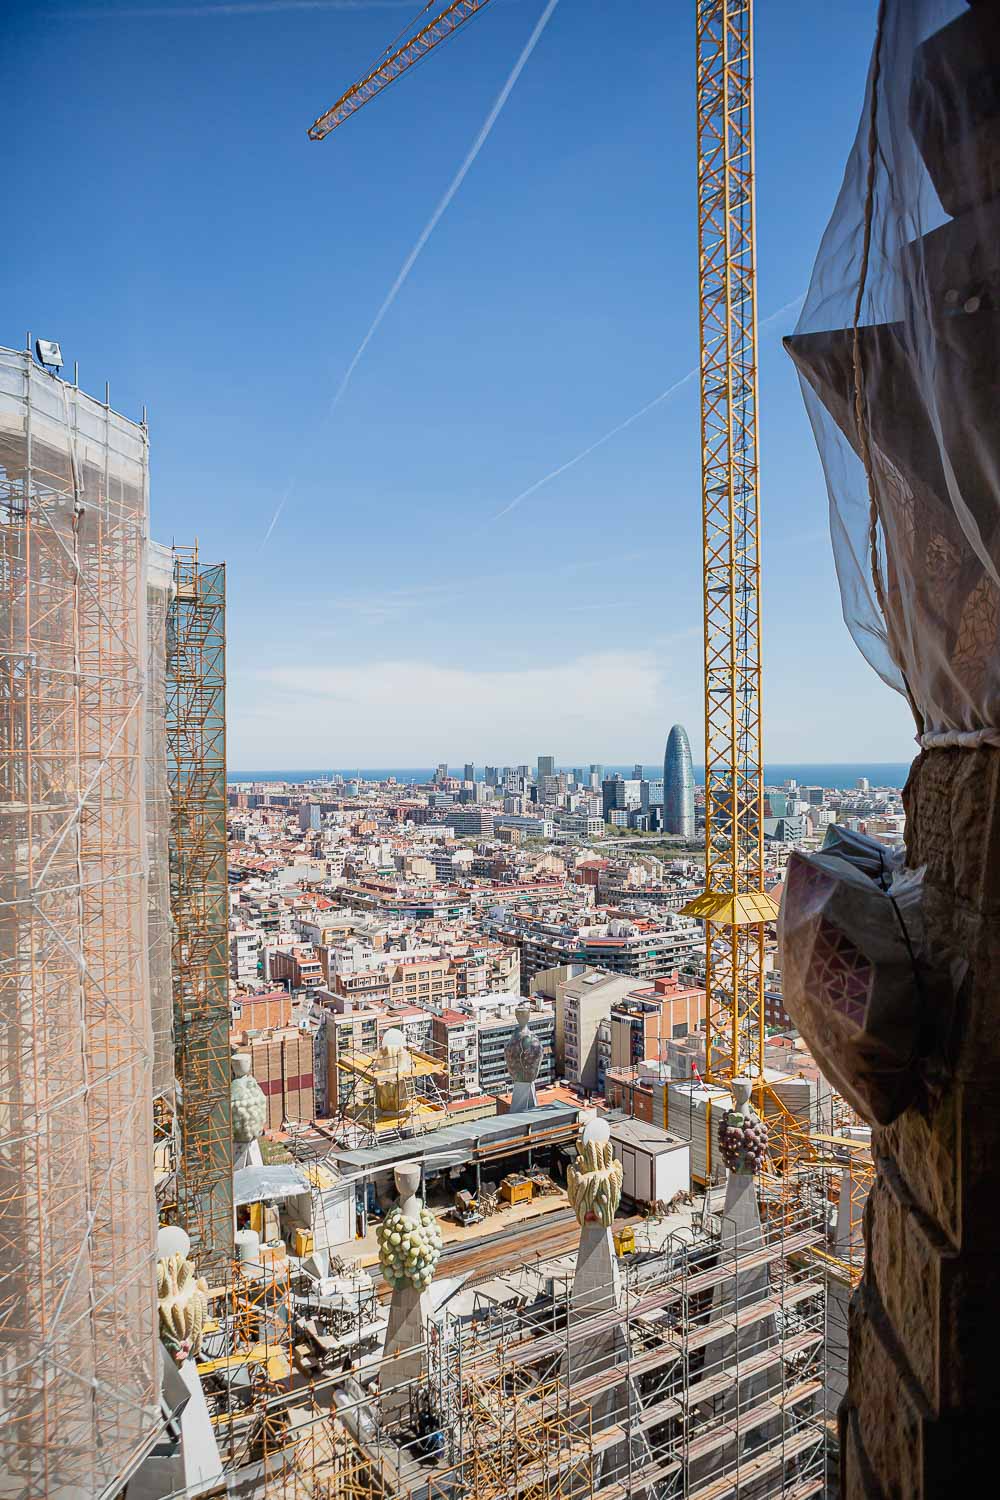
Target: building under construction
78,1354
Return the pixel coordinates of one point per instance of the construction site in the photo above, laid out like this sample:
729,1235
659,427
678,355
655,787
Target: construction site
185,1313
688,1367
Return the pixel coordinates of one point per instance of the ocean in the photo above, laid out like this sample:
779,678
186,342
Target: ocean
807,773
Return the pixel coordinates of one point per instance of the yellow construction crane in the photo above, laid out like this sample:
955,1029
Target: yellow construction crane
734,905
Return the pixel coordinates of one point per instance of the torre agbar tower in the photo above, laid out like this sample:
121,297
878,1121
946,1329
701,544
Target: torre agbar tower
678,785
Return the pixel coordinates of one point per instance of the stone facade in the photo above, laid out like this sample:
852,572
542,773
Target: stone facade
920,1416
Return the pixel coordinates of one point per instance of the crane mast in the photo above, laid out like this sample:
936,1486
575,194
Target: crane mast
734,906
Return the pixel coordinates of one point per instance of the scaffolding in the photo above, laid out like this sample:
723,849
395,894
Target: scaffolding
159,590
412,1084
79,1381
719,1375
698,1416
196,755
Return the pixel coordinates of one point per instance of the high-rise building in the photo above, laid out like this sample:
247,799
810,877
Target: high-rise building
621,794
678,785
471,822
651,794
637,771
310,818
546,766
441,774
470,772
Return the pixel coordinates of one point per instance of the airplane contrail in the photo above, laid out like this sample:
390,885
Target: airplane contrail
432,223
656,401
572,462
456,183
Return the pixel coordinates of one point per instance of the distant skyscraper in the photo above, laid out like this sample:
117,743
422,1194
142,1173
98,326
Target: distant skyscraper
441,774
310,820
637,772
678,785
546,766
470,771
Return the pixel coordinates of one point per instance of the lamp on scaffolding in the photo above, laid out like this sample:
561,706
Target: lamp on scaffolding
49,354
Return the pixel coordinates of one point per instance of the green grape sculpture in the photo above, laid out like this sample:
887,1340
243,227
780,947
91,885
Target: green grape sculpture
409,1248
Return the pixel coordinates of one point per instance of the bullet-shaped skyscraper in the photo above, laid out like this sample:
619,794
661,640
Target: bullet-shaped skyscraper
678,785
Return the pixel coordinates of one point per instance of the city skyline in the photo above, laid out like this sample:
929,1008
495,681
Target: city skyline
834,774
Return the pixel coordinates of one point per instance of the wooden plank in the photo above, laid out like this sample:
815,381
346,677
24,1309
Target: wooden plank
736,1427
749,1315
722,1380
757,1468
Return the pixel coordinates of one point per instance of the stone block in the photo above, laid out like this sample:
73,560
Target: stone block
925,1148
889,1409
904,1264
857,1478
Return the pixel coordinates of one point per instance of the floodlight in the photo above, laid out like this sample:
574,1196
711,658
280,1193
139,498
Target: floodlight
48,353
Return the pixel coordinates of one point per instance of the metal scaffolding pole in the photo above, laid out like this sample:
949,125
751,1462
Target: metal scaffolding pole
196,753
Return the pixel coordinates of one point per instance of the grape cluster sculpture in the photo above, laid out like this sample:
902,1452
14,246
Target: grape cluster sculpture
594,1183
249,1106
409,1248
182,1303
742,1140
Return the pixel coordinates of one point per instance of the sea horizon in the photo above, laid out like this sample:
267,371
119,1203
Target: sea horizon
833,775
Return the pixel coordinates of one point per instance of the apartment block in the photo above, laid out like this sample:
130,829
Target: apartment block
644,1020
455,1042
423,981
261,1012
643,948
282,1063
244,956
471,822
487,969
582,1002
299,968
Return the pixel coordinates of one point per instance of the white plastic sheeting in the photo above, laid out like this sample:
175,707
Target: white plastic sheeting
78,1355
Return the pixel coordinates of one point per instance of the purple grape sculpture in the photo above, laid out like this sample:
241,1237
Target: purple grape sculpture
742,1140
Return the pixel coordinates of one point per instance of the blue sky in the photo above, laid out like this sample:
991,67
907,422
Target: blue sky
185,240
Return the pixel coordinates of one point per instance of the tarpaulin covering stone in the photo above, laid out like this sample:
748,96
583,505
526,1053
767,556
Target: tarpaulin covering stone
897,352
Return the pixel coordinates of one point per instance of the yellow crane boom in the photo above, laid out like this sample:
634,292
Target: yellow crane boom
734,905
389,69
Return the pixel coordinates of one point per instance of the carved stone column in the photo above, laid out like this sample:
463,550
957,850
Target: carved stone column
409,1248
922,1412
